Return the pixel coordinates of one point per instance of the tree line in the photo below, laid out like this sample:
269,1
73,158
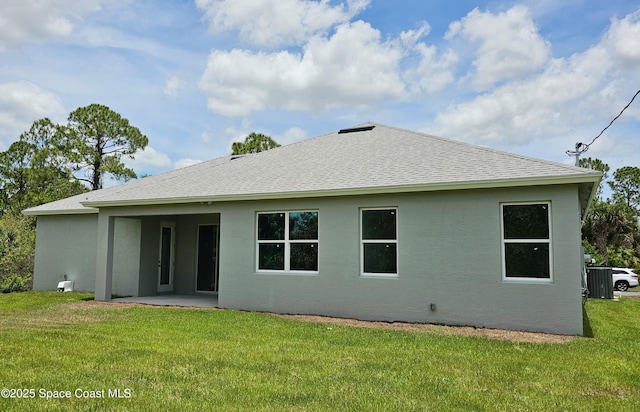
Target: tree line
53,161
610,231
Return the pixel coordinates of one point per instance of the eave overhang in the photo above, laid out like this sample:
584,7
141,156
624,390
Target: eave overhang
591,178
56,212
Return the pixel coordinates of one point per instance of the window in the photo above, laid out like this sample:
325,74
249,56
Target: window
379,240
288,241
526,241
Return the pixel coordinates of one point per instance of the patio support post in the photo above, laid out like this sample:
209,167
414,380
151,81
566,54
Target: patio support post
104,257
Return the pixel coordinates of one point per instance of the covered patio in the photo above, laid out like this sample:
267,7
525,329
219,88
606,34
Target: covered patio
193,301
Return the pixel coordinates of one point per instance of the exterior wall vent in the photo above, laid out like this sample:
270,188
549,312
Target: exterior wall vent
356,129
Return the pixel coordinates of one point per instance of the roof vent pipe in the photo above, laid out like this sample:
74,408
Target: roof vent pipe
356,129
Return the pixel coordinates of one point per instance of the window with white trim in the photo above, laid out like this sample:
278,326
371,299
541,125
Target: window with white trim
287,241
526,241
379,242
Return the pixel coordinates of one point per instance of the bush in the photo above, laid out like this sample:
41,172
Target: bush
618,256
15,283
17,252
622,257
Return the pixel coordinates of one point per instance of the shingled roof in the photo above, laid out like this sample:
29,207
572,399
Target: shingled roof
367,159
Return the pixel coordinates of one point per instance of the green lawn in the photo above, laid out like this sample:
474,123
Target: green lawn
194,359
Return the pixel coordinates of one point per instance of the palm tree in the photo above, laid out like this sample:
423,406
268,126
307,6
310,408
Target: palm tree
608,224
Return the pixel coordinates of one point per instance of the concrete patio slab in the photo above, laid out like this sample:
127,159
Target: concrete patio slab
195,301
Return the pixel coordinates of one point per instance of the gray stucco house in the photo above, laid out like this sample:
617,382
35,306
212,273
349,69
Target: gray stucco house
372,222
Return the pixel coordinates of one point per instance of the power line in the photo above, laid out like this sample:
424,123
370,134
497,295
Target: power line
582,147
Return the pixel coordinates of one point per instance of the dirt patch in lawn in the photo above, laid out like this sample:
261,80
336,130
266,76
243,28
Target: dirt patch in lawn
59,315
500,334
95,304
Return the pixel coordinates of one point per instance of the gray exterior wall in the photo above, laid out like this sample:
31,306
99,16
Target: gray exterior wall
126,256
449,254
66,245
149,254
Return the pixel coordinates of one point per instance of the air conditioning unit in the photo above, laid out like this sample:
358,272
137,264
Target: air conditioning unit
600,282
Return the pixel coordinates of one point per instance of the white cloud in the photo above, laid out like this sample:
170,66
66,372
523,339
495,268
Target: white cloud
433,73
624,38
173,86
22,20
206,137
291,135
149,157
410,37
429,73
509,44
557,102
351,68
539,107
274,23
185,163
96,36
237,134
21,103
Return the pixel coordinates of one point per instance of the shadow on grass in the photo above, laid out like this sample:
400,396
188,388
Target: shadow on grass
586,324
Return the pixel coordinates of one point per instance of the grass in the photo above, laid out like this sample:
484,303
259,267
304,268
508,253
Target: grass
194,359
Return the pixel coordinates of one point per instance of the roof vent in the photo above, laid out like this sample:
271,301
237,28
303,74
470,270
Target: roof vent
234,157
356,129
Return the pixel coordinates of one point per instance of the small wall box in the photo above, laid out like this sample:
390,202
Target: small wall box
65,286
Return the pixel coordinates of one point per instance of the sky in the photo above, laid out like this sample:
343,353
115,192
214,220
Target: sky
531,77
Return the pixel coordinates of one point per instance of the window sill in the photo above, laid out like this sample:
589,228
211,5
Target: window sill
378,276
276,272
528,281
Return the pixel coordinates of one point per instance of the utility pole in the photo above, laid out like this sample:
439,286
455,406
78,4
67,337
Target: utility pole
580,149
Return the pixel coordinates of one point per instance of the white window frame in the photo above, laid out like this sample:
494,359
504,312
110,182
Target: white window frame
363,241
287,244
504,242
